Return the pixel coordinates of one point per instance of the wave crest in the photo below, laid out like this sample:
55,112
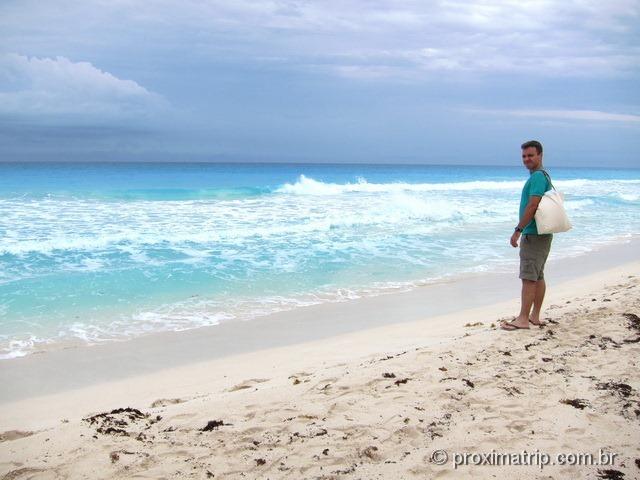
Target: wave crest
309,186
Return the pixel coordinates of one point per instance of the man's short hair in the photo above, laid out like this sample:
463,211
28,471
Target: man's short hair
533,143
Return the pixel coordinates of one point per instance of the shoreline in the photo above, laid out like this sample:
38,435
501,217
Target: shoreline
438,308
45,372
405,287
375,401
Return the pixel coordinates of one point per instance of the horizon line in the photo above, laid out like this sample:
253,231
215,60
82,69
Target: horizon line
243,162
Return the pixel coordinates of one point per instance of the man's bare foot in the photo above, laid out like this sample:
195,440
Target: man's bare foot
537,323
515,324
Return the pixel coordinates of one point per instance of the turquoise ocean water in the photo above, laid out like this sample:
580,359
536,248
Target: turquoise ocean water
99,252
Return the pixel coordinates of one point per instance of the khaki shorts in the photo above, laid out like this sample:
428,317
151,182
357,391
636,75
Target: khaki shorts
534,250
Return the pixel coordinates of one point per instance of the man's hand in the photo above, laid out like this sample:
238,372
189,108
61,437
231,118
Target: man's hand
529,213
514,239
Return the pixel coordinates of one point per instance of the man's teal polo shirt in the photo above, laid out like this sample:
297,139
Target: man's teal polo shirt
537,184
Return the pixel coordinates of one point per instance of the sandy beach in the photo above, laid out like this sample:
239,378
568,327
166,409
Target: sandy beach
443,396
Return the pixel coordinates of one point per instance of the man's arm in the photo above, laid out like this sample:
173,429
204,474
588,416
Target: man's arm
528,215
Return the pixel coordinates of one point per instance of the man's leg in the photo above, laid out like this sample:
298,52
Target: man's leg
531,264
528,297
541,287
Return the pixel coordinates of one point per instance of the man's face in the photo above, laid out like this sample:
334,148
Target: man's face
531,158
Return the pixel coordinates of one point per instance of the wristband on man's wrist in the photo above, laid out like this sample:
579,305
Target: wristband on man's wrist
518,229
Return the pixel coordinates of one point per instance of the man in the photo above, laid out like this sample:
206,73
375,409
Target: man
534,248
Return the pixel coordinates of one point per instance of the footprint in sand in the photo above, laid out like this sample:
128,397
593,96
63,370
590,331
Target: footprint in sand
518,426
14,435
182,416
486,428
297,376
176,453
378,380
307,416
126,459
251,431
247,384
325,384
24,472
575,430
337,408
163,402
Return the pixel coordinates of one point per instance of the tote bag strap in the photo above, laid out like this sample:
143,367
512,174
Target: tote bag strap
548,178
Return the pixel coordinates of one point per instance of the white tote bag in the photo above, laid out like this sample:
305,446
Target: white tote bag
550,216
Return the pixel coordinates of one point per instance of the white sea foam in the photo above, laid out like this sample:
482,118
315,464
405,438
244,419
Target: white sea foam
20,347
309,186
629,197
577,204
199,226
51,227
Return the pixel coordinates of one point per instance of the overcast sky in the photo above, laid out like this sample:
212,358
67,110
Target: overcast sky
320,81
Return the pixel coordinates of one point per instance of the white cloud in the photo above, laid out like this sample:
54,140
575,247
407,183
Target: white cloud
59,86
590,115
583,115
